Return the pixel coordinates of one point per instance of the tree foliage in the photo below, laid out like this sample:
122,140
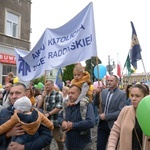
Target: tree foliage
68,73
37,80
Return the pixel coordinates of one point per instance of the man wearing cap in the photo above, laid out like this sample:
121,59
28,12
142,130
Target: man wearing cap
17,91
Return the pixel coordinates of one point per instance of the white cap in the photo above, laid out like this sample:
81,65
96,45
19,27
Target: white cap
23,104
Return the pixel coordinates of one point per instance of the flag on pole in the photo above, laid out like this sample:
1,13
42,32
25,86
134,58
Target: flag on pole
119,68
59,81
135,51
128,65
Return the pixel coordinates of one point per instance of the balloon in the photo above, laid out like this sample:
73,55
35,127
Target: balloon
102,71
35,85
138,83
1,86
91,87
40,85
142,113
15,80
95,84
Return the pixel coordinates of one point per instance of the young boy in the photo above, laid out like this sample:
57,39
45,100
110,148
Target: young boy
29,117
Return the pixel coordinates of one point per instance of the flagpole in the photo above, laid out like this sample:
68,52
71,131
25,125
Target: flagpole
119,69
136,50
45,77
44,107
124,68
100,101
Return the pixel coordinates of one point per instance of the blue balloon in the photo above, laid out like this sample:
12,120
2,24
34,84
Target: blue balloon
99,71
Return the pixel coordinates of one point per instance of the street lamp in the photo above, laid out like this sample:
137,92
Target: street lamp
109,66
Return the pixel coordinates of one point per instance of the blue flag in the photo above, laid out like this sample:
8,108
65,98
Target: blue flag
59,81
135,51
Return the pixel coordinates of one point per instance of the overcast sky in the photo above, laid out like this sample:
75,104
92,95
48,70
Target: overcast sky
112,24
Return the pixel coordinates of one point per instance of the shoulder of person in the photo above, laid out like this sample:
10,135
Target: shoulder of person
105,90
57,93
5,115
121,91
85,84
38,97
37,109
127,108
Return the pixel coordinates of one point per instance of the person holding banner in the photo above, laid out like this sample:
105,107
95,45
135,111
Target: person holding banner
126,133
52,105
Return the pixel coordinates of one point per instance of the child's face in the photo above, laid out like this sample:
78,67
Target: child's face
77,75
64,91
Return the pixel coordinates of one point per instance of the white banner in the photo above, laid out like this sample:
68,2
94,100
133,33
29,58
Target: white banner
73,42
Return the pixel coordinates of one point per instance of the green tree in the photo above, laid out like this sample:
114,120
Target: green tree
37,80
90,64
68,73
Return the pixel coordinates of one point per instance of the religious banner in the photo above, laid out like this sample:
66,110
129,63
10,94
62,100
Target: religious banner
71,43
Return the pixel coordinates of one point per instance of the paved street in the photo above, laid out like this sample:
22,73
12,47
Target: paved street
94,135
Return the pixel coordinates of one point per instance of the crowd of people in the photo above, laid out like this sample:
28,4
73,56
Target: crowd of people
30,117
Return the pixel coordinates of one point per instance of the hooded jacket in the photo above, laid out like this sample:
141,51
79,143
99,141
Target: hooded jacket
30,122
85,78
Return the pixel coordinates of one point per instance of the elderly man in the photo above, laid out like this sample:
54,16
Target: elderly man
73,124
17,91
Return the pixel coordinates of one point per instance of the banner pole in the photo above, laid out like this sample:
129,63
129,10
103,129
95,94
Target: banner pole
100,100
44,107
98,71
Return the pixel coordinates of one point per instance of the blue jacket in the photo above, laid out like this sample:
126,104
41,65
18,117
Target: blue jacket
42,141
74,139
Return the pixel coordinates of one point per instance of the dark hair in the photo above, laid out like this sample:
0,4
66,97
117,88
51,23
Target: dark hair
141,87
147,88
51,81
20,84
31,91
75,86
115,77
37,92
127,90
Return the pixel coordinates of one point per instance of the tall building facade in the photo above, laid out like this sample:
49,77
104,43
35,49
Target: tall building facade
15,21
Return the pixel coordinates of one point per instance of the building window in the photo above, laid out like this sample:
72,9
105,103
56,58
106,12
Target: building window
6,70
12,25
51,72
